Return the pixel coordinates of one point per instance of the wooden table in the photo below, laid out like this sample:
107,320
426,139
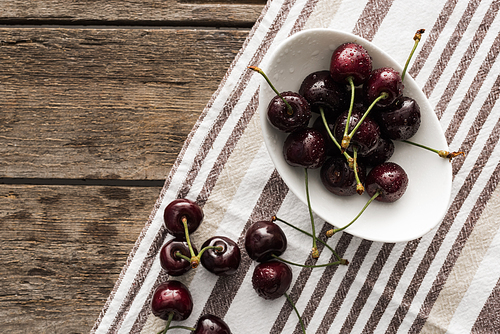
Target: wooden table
97,98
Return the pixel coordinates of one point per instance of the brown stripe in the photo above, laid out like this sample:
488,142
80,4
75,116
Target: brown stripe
488,320
201,155
303,17
345,285
443,229
323,283
452,44
456,249
474,130
234,98
371,18
299,285
474,88
225,288
463,65
224,155
430,41
367,287
390,287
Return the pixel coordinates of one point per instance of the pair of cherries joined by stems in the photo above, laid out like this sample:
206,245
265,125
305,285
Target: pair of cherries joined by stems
345,140
220,255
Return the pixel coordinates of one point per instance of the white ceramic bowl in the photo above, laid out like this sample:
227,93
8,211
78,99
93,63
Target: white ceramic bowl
426,200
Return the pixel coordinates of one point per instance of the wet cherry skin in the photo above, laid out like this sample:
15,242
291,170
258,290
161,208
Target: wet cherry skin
401,120
176,210
211,324
319,89
223,262
305,148
172,297
264,239
366,137
384,79
338,178
279,116
271,279
350,60
382,153
390,179
173,265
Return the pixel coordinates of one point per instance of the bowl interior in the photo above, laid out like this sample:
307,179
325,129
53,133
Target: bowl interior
425,202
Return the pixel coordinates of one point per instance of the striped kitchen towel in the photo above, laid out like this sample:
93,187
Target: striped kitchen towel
444,282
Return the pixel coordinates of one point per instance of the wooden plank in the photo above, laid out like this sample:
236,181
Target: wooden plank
104,103
233,13
62,249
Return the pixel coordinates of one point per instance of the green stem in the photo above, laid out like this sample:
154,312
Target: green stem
195,261
322,113
345,139
416,38
261,72
421,146
333,231
315,253
169,320
309,234
382,96
182,256
359,186
184,327
296,312
218,248
342,261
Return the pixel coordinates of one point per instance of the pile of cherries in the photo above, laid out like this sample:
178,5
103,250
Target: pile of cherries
220,255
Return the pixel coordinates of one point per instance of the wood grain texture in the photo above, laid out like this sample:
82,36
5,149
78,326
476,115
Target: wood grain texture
104,103
234,13
62,249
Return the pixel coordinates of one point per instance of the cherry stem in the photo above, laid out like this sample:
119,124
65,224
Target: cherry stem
346,138
359,186
322,112
182,256
382,96
194,260
341,261
261,72
217,248
296,312
315,253
416,38
333,231
442,153
274,218
169,320
183,327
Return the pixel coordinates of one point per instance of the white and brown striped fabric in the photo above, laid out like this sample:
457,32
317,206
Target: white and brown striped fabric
448,281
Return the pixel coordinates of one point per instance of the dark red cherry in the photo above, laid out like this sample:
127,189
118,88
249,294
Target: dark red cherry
179,209
366,138
383,80
223,262
305,148
389,179
350,60
271,279
211,324
172,297
382,153
172,264
338,178
264,239
319,89
400,120
280,117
